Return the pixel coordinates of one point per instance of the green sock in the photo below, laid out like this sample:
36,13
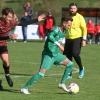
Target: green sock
67,71
33,79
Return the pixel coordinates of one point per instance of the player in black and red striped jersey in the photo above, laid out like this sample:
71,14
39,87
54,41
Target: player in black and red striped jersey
7,22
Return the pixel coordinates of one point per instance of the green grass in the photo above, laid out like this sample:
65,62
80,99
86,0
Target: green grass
25,59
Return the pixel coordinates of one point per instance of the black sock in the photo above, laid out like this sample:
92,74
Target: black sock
0,82
6,69
1,87
78,61
70,58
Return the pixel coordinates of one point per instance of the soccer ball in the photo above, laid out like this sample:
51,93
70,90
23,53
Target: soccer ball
73,88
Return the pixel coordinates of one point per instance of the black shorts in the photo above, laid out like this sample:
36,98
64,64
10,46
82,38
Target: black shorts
3,49
72,47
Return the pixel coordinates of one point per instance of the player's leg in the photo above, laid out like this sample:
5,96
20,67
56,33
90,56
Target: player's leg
61,59
33,80
68,69
68,49
24,28
68,52
1,87
5,59
76,55
46,63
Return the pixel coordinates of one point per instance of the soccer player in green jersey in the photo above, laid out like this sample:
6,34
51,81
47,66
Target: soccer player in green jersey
52,55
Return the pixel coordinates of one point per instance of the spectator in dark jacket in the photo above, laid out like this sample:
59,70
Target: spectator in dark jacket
25,20
28,8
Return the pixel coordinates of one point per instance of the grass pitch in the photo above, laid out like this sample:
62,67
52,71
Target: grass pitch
25,60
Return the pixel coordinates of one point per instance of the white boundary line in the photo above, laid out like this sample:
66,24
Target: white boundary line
75,70
17,61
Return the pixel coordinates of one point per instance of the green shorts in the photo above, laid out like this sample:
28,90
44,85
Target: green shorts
47,61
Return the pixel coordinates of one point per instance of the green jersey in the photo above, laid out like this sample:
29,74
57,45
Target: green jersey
50,48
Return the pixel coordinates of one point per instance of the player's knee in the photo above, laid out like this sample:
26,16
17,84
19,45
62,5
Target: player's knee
41,74
70,64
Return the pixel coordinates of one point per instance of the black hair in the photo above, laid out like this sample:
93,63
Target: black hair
6,11
67,19
72,4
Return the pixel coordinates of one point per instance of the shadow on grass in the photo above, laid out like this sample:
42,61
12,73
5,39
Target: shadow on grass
22,74
19,74
10,90
42,92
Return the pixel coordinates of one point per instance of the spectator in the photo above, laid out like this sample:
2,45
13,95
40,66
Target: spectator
49,22
41,29
28,8
90,31
25,20
97,37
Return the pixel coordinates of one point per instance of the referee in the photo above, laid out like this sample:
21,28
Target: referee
75,38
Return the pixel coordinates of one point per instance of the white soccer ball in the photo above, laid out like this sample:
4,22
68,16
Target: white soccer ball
73,88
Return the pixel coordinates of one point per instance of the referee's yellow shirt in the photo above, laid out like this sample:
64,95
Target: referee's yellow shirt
78,28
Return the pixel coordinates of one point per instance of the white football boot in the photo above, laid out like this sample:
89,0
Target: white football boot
25,91
63,86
